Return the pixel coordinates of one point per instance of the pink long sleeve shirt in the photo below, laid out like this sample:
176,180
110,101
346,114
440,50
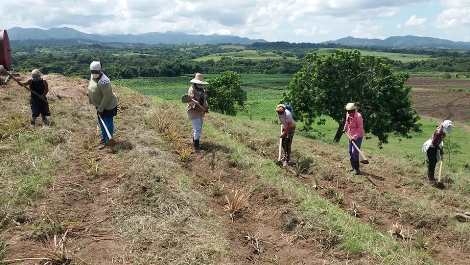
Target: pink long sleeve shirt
354,125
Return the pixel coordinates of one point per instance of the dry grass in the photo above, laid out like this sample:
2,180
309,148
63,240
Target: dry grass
236,201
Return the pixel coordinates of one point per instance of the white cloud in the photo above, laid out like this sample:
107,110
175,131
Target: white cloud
415,21
296,20
455,14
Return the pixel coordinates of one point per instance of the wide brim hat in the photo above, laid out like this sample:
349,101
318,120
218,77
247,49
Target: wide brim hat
198,79
350,106
36,73
280,108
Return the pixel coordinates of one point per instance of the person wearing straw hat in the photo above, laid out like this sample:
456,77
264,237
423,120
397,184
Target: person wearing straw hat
39,104
434,147
197,107
100,94
287,132
354,129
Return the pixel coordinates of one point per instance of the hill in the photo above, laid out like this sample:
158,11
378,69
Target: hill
402,42
18,33
150,200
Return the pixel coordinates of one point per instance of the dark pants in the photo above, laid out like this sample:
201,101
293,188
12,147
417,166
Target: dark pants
39,107
432,161
354,153
287,146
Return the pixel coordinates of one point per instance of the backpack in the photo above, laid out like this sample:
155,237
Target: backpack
290,109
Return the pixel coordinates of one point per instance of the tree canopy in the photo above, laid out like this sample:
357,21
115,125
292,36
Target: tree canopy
326,83
225,93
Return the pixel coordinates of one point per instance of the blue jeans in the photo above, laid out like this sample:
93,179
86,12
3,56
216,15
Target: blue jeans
108,121
353,153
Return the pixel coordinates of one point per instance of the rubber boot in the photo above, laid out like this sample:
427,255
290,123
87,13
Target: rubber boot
33,121
197,146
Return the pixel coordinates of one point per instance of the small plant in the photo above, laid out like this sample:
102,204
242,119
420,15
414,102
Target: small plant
334,196
57,252
256,242
303,166
236,202
3,251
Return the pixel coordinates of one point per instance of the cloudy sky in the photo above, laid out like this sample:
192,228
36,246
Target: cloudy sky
291,20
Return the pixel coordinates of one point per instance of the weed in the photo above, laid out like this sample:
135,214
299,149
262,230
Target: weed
45,230
334,196
3,250
303,166
236,202
256,242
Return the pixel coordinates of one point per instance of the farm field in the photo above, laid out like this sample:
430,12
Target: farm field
246,55
402,57
436,101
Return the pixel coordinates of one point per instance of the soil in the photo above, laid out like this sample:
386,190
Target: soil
441,99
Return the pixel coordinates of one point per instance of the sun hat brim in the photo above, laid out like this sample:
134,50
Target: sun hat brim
199,82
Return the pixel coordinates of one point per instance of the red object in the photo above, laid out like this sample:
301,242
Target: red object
5,50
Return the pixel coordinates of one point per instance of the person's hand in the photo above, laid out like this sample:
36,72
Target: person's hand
283,135
99,113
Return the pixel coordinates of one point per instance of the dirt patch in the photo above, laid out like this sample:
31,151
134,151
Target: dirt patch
441,99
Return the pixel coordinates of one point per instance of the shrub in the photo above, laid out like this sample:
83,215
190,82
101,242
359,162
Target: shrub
225,93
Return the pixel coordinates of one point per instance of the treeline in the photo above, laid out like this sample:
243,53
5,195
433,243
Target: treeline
122,61
130,61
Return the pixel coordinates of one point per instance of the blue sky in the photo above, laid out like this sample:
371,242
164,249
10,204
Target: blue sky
289,20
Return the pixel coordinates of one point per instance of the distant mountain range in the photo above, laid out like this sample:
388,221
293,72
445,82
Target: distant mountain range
402,42
146,38
395,42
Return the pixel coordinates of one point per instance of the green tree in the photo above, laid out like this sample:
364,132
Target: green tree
225,93
326,83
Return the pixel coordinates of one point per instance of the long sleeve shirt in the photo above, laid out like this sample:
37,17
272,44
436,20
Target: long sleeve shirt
438,136
100,94
354,125
287,122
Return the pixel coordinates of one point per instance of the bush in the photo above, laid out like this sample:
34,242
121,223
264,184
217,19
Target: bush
225,94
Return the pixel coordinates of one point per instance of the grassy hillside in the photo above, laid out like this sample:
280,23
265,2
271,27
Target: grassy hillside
265,91
150,200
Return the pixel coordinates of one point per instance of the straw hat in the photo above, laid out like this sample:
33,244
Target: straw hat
350,106
36,73
280,108
95,66
198,79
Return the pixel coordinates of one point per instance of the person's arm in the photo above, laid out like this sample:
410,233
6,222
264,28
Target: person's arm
46,88
107,98
26,84
345,127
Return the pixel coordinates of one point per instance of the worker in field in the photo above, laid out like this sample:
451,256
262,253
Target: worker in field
354,130
434,147
100,94
287,132
197,107
39,104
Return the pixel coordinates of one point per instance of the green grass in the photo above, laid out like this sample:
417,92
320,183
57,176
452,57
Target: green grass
403,57
356,237
244,54
265,91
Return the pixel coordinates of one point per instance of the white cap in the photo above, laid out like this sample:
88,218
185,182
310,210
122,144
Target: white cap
447,126
95,66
